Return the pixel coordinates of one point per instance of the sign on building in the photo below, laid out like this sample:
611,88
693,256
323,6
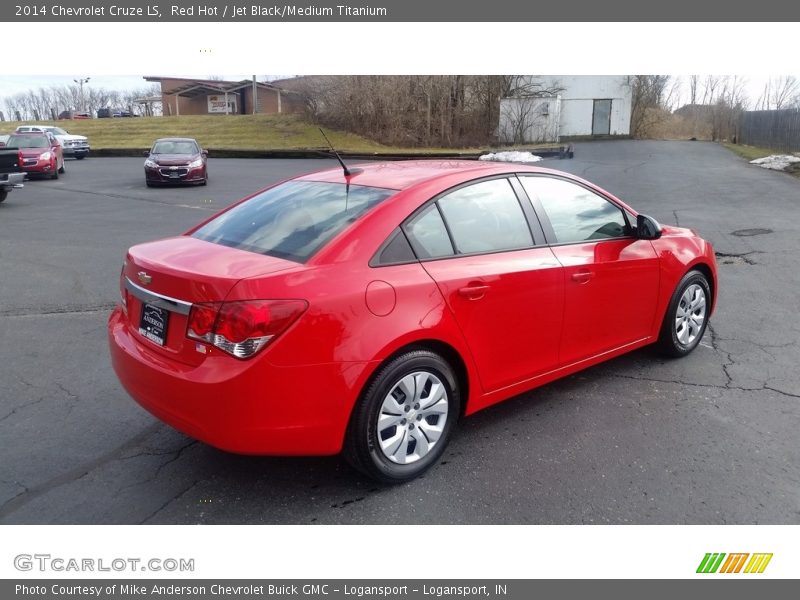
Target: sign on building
216,104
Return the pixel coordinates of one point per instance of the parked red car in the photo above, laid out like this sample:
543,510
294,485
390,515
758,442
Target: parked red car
369,312
42,153
176,160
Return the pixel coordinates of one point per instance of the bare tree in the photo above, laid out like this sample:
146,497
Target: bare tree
651,98
527,120
730,100
46,102
448,110
694,80
779,93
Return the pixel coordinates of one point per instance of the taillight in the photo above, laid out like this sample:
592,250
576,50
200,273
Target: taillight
201,321
242,328
123,290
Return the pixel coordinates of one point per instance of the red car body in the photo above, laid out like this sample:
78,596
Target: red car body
42,154
506,321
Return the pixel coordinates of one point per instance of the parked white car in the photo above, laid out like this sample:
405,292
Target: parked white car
76,146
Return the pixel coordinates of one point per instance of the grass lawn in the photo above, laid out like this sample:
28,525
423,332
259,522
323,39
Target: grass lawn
249,132
233,132
750,152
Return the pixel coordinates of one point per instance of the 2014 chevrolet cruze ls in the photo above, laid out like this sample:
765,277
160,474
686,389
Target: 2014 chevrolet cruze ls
367,311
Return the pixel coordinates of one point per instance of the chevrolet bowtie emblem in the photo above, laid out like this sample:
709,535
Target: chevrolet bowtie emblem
144,278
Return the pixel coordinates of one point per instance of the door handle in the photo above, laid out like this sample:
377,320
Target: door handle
473,292
582,276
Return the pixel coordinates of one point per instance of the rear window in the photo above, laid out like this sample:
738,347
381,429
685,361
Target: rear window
293,220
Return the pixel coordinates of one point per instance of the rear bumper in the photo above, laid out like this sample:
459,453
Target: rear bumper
246,407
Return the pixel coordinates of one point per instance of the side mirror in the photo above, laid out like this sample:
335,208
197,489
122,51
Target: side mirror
146,153
647,228
204,153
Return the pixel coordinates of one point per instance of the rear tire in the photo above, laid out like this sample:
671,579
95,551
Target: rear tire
687,316
402,423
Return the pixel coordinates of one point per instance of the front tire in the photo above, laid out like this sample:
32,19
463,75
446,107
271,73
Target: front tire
687,316
63,168
402,423
3,195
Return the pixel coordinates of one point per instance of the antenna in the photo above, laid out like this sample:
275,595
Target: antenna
347,172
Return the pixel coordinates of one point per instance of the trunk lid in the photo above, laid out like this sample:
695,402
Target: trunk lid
174,273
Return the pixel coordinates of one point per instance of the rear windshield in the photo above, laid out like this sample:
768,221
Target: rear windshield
293,220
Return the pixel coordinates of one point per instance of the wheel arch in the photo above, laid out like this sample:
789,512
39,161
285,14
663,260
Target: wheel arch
709,275
447,351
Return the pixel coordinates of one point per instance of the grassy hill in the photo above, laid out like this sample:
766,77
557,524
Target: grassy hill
233,132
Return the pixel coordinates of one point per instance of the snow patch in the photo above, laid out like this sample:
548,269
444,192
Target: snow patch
778,162
512,156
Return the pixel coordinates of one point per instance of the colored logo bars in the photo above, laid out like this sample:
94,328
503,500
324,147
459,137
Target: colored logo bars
733,564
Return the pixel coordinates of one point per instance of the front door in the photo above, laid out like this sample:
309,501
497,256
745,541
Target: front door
611,279
506,295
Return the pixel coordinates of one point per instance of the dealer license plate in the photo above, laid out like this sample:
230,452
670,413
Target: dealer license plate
153,323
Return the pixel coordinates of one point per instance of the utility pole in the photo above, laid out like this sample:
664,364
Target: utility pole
80,82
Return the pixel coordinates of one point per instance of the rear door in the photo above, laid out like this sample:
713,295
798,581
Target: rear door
611,279
502,284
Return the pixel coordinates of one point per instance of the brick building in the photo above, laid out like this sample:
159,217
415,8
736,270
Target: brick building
180,96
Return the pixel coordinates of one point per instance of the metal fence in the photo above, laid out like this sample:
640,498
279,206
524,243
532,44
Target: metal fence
774,129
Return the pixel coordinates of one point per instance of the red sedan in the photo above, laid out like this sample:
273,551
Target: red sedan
176,160
367,312
42,153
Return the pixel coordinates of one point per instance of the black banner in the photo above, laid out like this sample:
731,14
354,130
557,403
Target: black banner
398,11
404,589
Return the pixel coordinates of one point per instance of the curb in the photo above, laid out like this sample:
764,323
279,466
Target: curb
325,153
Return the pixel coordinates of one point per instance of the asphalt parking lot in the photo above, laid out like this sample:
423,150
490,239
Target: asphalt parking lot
709,439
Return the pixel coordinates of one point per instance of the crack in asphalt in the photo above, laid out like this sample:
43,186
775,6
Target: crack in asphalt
20,407
174,454
168,502
728,362
137,198
32,493
715,339
71,397
57,310
635,166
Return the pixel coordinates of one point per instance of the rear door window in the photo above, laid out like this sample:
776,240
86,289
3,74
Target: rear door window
428,235
292,220
486,217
